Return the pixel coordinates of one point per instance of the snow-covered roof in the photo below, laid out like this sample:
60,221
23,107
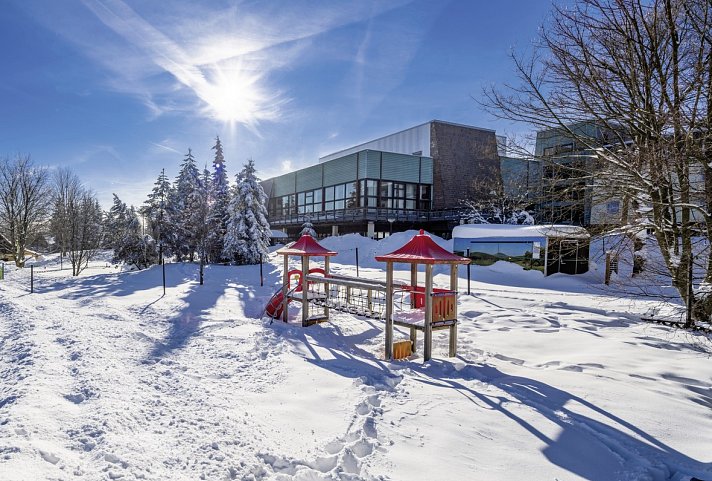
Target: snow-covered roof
487,231
278,234
305,246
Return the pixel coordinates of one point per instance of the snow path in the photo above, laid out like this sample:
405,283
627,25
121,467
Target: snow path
149,388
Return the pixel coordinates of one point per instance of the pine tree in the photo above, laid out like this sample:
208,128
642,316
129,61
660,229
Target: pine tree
123,230
248,232
308,228
185,208
114,223
155,209
220,201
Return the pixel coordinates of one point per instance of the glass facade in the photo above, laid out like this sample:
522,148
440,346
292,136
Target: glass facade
380,180
366,193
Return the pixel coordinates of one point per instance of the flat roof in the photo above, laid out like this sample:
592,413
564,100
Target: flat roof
405,130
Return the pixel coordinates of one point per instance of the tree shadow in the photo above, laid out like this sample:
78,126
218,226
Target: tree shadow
592,443
199,300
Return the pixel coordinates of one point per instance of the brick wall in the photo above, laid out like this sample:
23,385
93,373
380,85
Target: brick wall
465,161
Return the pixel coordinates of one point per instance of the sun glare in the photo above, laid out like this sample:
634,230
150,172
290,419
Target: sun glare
233,95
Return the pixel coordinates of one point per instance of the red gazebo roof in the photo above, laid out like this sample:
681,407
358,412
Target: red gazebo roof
421,249
305,246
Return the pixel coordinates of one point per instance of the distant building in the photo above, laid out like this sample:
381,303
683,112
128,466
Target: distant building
571,192
415,178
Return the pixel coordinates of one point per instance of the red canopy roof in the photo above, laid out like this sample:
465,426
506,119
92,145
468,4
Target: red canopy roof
305,246
421,249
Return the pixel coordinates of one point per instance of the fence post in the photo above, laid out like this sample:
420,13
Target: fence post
607,275
468,272
261,276
32,278
163,265
357,262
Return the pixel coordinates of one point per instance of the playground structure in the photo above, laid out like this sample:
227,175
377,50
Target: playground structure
426,308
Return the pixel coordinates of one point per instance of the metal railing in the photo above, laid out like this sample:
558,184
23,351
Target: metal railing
369,214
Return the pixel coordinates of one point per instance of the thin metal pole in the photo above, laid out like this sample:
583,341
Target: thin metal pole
262,280
357,262
2,271
32,278
163,268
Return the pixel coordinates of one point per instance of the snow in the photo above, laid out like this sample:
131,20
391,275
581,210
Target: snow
104,378
484,231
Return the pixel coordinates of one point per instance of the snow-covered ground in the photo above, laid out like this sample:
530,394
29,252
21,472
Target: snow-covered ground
103,377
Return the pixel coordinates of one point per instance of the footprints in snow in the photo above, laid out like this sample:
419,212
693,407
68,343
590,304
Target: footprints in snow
347,455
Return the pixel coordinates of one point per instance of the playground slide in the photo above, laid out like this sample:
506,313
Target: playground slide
274,306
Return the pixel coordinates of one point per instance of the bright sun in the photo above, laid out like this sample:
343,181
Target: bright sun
233,95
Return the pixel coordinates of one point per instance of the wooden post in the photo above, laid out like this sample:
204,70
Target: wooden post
413,338
452,351
326,287
262,279
389,310
414,283
285,289
428,321
607,279
32,278
305,290
468,272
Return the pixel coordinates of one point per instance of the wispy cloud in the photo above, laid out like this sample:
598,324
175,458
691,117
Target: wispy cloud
202,58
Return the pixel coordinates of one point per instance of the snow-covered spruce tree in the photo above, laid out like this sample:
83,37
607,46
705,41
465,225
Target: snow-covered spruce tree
114,221
248,232
156,211
185,207
308,228
125,238
219,203
203,227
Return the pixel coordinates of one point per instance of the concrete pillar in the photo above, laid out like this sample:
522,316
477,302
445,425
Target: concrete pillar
371,229
334,230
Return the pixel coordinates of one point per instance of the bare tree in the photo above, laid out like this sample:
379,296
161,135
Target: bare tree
67,188
24,203
498,203
76,220
641,71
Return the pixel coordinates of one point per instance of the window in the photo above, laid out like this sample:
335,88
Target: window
411,191
328,194
613,207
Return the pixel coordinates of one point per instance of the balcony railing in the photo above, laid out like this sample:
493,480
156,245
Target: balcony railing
373,214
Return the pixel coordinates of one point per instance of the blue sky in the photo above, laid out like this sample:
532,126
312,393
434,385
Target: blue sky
120,89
